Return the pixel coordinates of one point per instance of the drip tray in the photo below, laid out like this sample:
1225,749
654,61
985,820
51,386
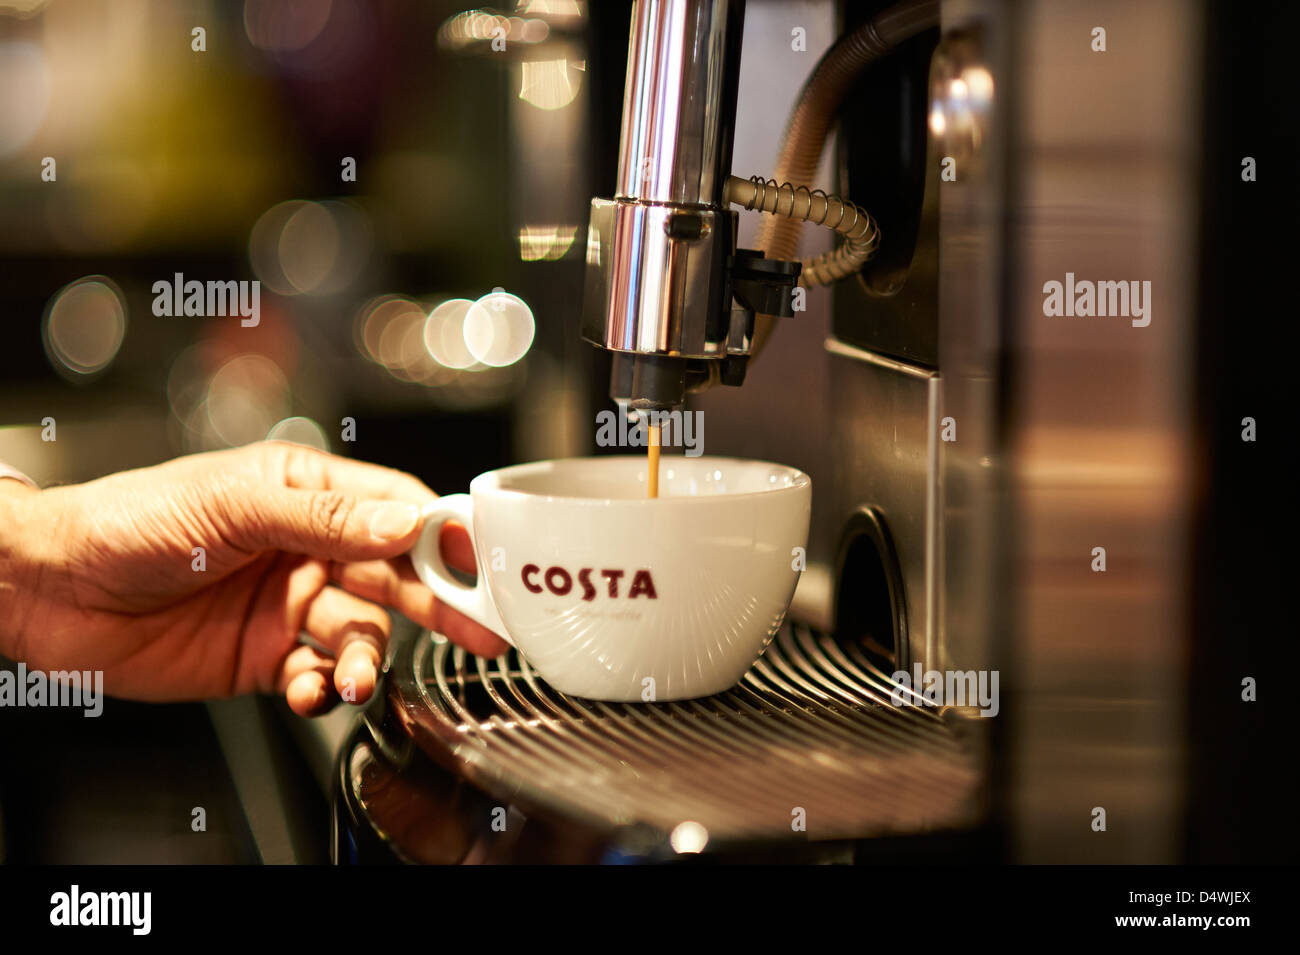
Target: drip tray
807,747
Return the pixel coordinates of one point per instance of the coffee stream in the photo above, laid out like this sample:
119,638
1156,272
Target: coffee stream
653,472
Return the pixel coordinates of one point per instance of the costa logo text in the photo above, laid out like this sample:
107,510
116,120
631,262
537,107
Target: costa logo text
560,582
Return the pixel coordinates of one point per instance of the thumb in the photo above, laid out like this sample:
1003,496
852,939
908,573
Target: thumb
330,525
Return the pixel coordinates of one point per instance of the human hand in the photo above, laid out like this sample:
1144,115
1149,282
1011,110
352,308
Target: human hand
104,576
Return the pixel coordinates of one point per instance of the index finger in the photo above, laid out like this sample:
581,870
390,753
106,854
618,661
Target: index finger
309,469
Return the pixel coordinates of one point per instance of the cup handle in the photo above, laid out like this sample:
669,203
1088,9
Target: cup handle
474,602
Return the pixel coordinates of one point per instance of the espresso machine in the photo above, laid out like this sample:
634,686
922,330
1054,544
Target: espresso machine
681,309
1007,493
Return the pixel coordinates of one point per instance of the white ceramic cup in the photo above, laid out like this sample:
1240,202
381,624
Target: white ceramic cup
610,595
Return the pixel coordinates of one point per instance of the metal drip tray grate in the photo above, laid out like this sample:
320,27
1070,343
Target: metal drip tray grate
809,735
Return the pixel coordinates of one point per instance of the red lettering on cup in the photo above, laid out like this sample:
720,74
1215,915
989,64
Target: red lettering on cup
560,582
532,587
642,584
563,575
612,576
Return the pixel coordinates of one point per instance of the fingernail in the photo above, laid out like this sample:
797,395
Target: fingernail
391,520
371,645
357,672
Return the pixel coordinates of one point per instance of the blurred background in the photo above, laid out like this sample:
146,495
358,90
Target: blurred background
379,168
367,162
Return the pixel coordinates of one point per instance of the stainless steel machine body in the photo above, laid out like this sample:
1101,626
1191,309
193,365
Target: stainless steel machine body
1003,449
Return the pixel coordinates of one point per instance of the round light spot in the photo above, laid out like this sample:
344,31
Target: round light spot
264,246
309,247
979,81
444,334
938,123
499,329
689,837
84,326
300,430
245,399
375,317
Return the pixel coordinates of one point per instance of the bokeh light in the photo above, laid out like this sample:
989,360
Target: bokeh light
375,318
444,334
979,83
545,243
310,248
550,84
401,347
300,430
187,381
428,347
245,399
478,27
498,329
689,838
551,8
83,326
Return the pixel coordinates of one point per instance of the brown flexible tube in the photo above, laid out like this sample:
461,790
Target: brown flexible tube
810,122
785,200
